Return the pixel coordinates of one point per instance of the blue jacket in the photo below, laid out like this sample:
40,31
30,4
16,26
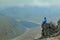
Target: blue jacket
44,21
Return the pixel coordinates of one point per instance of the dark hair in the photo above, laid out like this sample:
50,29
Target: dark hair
44,17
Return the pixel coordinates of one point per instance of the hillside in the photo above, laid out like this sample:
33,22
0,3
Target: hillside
30,35
33,34
9,28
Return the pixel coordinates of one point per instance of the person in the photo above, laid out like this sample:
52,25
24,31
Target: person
45,20
43,25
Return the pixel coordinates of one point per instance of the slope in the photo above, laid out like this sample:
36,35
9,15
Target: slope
30,34
9,28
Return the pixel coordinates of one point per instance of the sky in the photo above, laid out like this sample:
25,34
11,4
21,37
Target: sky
22,3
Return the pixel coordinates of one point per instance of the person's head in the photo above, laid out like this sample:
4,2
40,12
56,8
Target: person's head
44,17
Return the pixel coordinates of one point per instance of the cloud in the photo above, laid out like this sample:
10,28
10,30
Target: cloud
39,3
22,3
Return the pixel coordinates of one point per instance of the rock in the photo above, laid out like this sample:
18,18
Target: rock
51,38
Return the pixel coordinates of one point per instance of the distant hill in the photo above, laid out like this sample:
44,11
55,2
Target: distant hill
31,13
9,28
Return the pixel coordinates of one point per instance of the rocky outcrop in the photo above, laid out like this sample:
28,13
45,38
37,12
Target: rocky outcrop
51,38
55,32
